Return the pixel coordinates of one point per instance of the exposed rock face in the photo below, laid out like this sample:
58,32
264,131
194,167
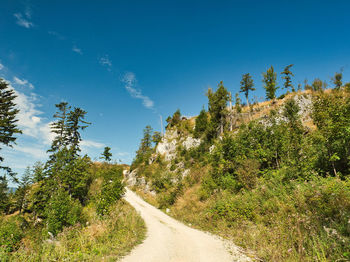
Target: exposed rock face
167,146
304,101
132,179
191,142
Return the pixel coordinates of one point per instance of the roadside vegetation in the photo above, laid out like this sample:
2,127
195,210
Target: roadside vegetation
69,208
265,175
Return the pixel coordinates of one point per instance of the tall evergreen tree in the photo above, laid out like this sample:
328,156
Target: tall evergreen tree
238,106
201,123
156,137
217,109
8,120
270,83
247,85
75,123
59,128
23,189
287,76
8,130
106,155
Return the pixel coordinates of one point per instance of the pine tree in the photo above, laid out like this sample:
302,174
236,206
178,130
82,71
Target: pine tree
156,137
338,80
75,123
59,128
287,76
238,106
217,109
270,83
8,121
106,155
23,188
247,85
201,123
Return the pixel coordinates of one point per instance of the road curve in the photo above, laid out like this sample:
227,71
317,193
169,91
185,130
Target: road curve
169,240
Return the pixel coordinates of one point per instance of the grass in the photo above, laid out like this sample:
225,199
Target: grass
107,239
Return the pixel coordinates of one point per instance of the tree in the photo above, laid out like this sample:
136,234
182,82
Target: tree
317,85
238,106
337,80
67,170
4,198
217,109
247,85
145,149
23,188
106,155
156,138
8,120
75,123
287,76
59,128
175,119
201,123
270,83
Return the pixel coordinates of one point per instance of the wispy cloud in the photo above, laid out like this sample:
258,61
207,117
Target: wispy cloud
57,35
90,143
129,79
24,20
23,82
1,66
105,61
77,50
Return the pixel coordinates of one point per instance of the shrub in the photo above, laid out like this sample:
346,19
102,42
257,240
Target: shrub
10,235
62,211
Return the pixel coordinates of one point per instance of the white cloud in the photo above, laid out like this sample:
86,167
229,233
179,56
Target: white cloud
1,66
77,50
90,143
29,116
129,80
22,82
38,153
105,61
24,20
19,81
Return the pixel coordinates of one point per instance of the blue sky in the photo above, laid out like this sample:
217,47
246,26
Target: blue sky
128,62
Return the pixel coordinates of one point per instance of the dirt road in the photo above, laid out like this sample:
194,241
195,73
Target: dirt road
170,240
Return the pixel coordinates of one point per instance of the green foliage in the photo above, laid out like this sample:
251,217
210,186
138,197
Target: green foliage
174,120
62,211
247,85
106,155
318,85
145,149
338,80
217,109
331,115
10,235
238,105
201,123
4,198
156,137
112,189
8,130
287,76
270,83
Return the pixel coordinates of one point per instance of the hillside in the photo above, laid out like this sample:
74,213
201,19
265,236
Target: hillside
275,181
102,228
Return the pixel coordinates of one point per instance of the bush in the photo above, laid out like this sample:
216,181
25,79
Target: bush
112,189
10,235
62,211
